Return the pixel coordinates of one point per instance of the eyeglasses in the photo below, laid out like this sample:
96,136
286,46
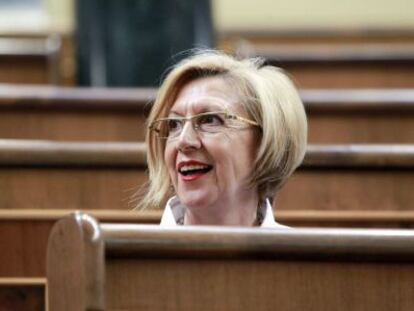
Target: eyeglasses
207,122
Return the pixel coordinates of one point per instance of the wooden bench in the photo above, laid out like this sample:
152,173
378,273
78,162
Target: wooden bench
351,177
28,294
24,233
327,66
30,60
341,116
229,39
92,266
52,175
332,59
74,114
82,114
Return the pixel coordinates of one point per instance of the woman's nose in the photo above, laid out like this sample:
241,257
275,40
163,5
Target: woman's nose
188,137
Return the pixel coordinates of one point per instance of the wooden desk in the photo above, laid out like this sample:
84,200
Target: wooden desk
24,233
94,266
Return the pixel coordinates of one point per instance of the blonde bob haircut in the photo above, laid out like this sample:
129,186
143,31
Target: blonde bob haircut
267,95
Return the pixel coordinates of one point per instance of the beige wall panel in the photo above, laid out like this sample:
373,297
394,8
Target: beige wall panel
298,14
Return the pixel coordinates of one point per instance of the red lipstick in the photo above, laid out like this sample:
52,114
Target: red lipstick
192,170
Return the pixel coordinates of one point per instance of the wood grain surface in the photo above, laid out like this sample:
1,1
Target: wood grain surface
98,114
24,233
51,175
212,268
18,294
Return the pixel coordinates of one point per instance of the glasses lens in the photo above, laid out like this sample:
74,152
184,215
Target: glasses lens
173,127
213,122
210,122
167,128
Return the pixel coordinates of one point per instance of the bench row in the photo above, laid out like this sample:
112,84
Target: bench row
93,266
76,114
133,246
24,233
332,59
387,64
52,175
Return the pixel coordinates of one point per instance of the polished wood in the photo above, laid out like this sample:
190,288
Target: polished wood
31,69
154,215
59,45
82,114
351,218
320,53
230,38
67,98
88,271
341,66
50,175
332,59
40,153
27,294
363,156
30,60
359,116
348,189
98,114
146,267
24,233
70,188
23,247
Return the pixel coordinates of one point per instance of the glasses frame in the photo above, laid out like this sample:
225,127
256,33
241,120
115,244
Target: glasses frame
227,116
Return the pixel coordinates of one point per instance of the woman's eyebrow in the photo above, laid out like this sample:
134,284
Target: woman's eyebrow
207,107
199,108
213,105
173,113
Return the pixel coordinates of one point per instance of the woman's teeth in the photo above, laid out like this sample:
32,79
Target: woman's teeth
190,169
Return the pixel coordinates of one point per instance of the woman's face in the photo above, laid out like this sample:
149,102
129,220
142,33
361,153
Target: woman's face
210,168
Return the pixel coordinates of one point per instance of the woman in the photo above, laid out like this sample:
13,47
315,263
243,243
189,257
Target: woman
224,135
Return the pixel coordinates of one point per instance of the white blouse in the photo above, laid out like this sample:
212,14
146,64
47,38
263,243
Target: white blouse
174,215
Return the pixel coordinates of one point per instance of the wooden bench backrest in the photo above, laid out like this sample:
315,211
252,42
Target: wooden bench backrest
99,114
94,266
57,175
342,65
30,60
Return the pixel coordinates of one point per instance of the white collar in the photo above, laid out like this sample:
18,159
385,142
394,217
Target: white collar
174,214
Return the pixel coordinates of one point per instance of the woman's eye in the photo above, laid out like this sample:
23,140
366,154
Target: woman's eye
211,119
173,124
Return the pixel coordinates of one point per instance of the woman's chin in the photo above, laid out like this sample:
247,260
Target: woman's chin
196,199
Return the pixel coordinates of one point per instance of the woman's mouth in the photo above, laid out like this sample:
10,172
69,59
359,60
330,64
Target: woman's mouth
190,172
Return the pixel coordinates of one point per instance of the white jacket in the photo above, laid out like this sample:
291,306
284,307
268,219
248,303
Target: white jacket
174,215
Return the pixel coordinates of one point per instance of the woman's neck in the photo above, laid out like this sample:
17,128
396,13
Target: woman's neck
239,212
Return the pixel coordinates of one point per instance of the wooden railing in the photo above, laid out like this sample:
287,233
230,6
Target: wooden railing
92,266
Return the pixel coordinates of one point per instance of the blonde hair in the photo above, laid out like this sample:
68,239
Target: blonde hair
269,97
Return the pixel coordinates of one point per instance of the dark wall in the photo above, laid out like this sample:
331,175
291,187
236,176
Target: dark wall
133,42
